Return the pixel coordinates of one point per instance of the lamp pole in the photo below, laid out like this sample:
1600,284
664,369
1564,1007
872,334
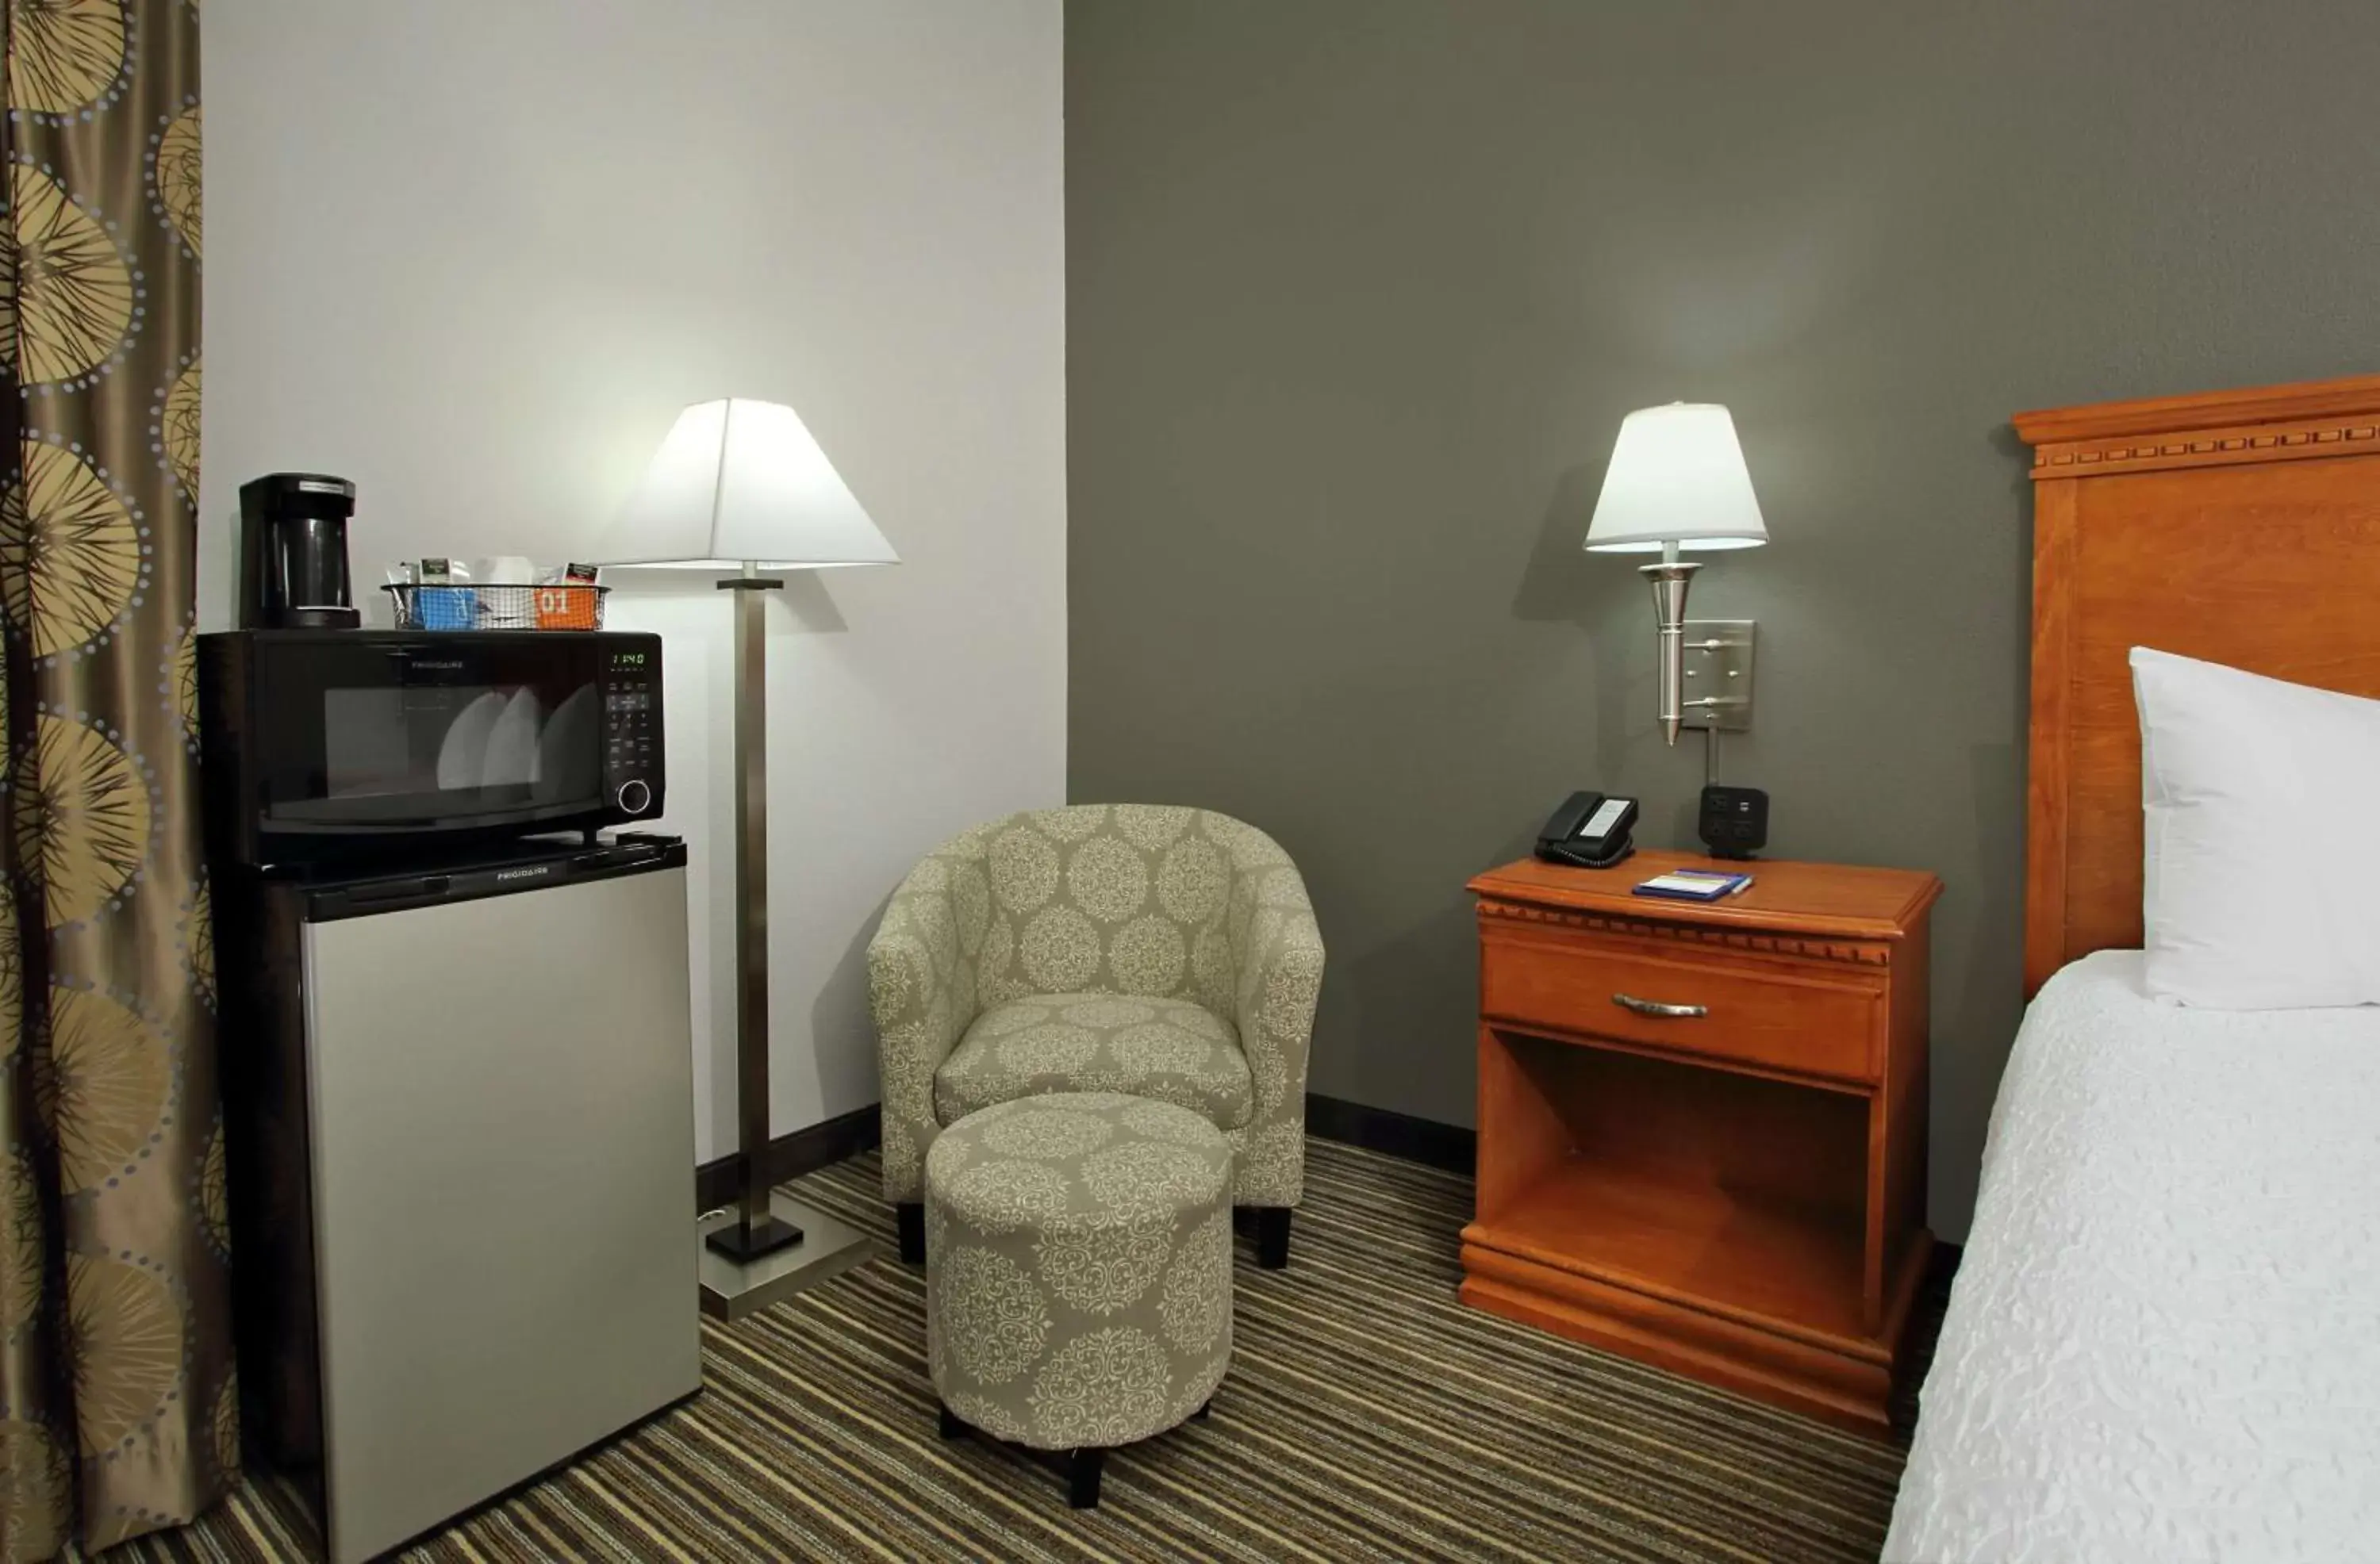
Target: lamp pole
1669,580
756,1231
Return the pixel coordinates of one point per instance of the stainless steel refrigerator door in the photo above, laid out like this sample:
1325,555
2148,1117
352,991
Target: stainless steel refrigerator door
501,1108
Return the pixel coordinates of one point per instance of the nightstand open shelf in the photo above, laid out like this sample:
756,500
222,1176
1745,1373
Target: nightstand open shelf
1728,1183
1654,1189
1733,1252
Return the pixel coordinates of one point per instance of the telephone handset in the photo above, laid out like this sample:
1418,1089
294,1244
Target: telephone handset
1589,832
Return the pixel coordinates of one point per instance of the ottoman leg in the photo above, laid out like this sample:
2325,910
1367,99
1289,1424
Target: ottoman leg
1083,1468
1272,1237
951,1427
911,1215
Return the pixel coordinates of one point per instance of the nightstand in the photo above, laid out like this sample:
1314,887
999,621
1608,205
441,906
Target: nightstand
1702,1127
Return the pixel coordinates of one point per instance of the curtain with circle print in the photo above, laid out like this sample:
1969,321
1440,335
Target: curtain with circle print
119,1410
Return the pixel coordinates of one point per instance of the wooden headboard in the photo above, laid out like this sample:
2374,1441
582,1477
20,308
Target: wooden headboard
2240,527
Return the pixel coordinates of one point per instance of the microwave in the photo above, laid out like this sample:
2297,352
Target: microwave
322,744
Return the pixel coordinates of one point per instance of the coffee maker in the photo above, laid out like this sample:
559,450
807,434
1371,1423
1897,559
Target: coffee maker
293,553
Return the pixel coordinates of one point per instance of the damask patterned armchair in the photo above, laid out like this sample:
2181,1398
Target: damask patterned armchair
1163,951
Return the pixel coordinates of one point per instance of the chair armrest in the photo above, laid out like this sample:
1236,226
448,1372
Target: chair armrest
921,991
1277,957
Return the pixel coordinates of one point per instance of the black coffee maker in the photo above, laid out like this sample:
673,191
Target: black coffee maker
293,553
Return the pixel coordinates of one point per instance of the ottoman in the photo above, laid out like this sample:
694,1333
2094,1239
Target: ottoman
1078,1272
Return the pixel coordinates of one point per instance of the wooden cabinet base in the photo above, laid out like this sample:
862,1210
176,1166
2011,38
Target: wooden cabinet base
1845,1381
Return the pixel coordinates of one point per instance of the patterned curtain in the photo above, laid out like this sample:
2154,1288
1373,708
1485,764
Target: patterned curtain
117,1405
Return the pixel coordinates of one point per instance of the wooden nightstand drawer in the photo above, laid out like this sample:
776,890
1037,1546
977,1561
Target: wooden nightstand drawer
1701,1006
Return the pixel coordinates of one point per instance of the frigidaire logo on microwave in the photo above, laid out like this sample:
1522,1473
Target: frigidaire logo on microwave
451,664
523,874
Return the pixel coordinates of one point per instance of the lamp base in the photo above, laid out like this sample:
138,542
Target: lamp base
1718,673
732,1289
744,1242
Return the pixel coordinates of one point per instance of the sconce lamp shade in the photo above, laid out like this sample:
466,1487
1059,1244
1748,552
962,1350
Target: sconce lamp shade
737,481
1677,476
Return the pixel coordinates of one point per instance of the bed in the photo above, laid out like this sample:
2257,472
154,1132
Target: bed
2163,1343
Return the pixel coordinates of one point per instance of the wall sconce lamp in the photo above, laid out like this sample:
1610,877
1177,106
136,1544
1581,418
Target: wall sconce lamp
1677,481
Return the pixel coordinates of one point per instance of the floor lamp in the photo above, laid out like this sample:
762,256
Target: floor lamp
740,485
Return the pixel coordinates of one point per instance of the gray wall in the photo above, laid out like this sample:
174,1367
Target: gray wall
1358,291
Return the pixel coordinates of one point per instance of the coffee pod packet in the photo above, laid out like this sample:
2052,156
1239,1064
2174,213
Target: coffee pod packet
443,600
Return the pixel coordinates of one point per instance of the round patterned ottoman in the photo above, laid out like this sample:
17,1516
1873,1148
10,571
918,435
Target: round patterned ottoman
1078,1272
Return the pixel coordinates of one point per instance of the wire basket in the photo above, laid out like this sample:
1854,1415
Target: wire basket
570,605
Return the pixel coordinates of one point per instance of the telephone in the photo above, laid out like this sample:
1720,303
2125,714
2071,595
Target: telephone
1589,832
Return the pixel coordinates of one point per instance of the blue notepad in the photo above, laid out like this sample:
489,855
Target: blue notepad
1693,885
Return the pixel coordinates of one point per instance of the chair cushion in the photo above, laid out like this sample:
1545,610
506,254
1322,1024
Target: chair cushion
1171,1051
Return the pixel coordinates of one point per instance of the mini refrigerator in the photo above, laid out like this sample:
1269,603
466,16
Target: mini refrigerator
459,1119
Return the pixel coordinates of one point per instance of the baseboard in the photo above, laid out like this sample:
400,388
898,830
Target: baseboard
718,1183
1351,1123
1395,1135
848,1135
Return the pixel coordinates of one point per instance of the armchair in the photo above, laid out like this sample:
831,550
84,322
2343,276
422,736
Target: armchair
1165,952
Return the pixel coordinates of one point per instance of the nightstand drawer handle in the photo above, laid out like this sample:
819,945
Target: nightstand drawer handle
1655,1007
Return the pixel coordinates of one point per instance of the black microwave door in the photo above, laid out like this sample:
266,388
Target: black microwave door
402,735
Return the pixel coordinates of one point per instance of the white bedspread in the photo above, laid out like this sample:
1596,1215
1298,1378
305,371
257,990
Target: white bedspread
2164,1341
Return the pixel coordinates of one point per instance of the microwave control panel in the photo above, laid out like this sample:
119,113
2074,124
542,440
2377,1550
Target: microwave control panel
632,732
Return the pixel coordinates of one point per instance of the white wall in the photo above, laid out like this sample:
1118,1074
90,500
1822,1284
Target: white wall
475,255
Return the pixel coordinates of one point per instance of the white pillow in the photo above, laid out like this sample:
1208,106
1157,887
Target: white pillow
2261,887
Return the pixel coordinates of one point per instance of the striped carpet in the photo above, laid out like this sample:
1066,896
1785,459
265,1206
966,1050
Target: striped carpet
1367,1416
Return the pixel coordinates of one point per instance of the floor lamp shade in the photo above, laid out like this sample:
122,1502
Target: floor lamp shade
741,481
740,485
